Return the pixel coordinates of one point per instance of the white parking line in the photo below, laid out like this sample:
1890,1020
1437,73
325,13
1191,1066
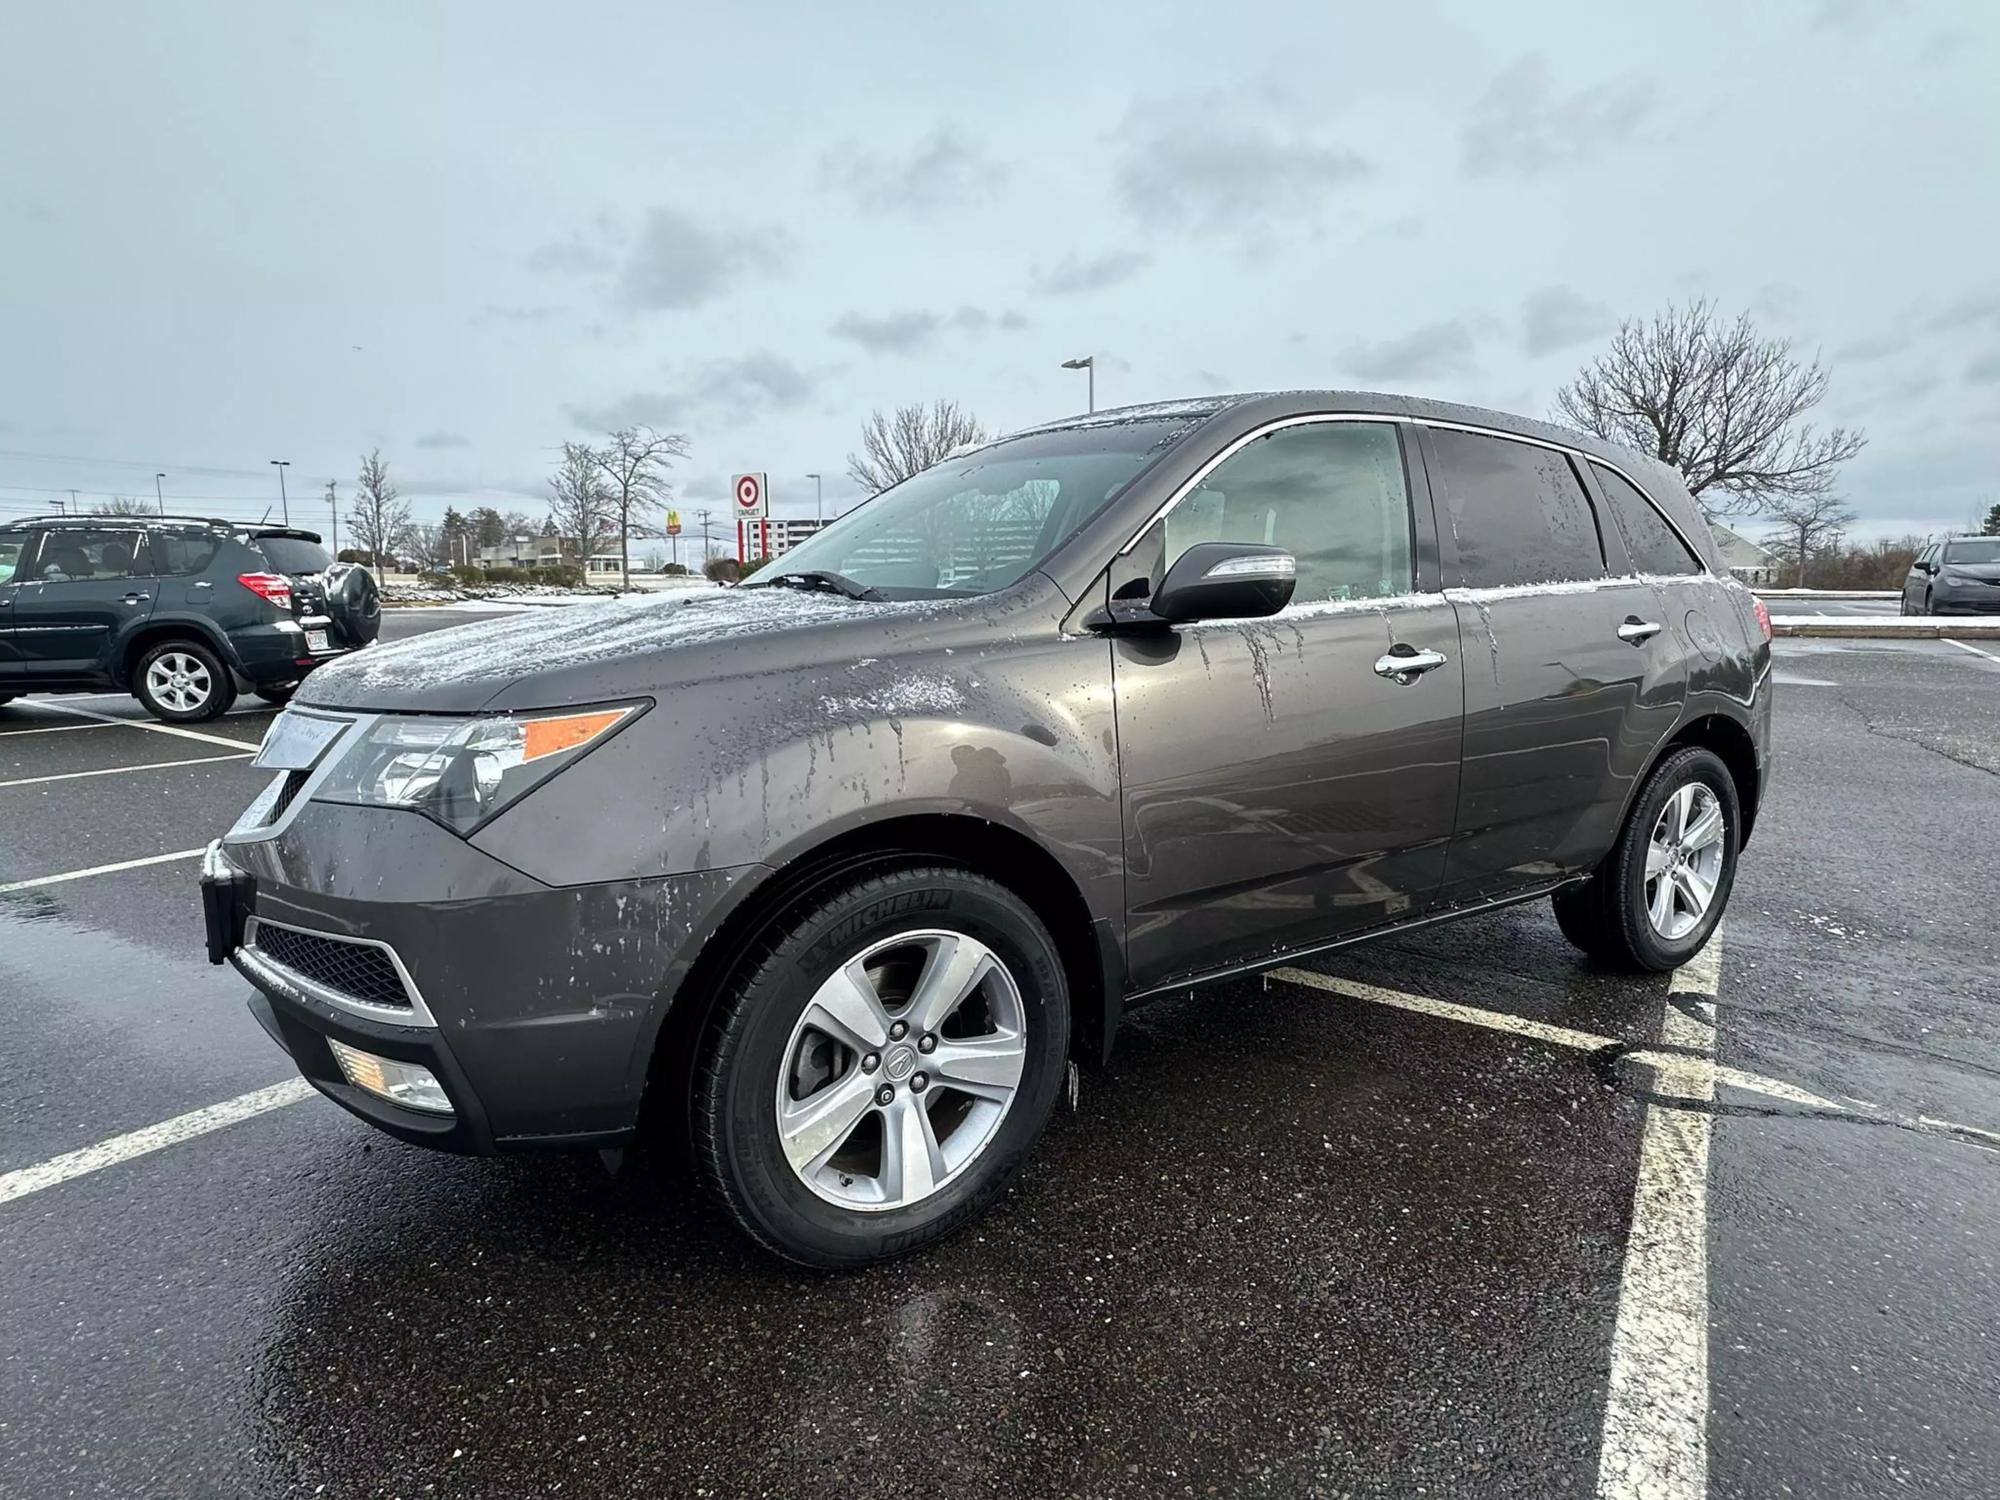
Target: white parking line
147,724
1655,1442
1973,649
161,765
125,864
15,734
79,1163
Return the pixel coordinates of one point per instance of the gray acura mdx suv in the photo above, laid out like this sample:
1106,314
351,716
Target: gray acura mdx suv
832,874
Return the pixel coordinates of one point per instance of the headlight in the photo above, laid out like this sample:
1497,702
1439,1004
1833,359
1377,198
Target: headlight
463,771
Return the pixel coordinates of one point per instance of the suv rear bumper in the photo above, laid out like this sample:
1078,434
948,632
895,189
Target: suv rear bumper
267,654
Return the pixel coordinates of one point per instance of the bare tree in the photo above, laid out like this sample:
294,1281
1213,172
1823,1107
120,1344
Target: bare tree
122,505
1808,526
910,442
579,504
379,516
1718,401
634,462
430,547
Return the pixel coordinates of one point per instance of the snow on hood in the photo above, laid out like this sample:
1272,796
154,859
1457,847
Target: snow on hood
497,652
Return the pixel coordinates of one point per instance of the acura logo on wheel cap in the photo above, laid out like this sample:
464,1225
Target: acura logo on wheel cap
900,1064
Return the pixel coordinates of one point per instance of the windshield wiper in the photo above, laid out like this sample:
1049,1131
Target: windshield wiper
819,579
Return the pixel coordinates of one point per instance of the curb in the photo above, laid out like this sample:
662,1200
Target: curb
1973,628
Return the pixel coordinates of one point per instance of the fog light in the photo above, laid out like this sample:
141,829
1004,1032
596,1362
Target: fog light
401,1083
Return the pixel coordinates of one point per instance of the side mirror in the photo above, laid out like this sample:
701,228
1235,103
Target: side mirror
1226,581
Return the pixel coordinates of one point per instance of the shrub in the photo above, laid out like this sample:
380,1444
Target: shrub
436,578
468,575
508,575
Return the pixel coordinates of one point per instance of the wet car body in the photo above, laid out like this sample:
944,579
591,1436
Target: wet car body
1178,805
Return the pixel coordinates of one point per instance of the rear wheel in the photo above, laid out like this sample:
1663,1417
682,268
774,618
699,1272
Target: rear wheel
183,682
1660,891
882,1066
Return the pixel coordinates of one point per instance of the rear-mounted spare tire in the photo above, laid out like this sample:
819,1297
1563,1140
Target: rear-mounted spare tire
353,603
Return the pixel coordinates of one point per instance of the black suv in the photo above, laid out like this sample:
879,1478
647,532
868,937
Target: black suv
180,612
832,874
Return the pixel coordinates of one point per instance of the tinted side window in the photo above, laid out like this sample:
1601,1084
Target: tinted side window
73,556
1330,493
1517,512
182,554
1648,538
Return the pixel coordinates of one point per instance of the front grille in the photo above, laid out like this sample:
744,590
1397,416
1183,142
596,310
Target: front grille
356,970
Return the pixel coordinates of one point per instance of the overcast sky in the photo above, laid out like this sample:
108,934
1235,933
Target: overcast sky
465,233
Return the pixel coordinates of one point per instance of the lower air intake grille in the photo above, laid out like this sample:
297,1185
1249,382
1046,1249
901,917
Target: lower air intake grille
356,970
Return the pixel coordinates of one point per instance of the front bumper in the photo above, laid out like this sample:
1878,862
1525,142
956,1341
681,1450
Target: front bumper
544,1001
1965,599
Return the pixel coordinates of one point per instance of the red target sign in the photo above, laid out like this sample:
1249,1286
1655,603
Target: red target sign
752,496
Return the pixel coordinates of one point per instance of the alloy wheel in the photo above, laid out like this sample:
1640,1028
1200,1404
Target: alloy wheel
179,681
900,1070
1684,860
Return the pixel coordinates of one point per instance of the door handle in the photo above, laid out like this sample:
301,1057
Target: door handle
1636,632
137,598
1404,665
204,585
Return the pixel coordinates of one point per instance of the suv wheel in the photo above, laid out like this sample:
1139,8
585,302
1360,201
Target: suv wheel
882,1067
1660,891
183,682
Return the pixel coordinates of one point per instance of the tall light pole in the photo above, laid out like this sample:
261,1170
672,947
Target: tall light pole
282,464
157,495
819,498
333,509
1088,362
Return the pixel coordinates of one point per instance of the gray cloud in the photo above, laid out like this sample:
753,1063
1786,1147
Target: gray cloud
441,440
1555,317
1210,164
678,262
575,256
1877,346
1521,124
944,170
1980,307
1984,370
721,390
916,329
495,312
892,333
1435,349
1074,275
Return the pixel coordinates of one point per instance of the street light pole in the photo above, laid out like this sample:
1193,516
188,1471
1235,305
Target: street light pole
1088,363
819,499
157,495
282,464
333,509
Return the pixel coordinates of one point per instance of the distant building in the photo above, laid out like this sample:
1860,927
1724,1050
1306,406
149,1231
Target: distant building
786,533
522,552
1746,560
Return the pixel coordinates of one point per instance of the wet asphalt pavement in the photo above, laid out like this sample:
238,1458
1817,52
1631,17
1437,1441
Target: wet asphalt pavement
1290,1243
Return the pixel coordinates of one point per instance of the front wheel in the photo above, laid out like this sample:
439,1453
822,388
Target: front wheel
1657,896
882,1066
183,682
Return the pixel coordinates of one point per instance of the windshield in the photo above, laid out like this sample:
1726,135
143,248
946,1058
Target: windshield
1981,549
982,521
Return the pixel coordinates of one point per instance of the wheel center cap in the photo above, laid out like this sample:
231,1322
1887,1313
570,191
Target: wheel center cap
900,1063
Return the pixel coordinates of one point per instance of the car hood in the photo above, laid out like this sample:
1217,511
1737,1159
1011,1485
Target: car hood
1984,572
595,652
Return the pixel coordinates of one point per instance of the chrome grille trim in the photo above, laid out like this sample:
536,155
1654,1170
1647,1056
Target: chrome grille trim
416,1013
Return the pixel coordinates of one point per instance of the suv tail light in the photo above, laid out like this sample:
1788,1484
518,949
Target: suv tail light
270,586
1763,614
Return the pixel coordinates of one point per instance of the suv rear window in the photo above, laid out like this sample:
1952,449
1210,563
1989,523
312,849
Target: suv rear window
1517,511
1648,538
293,554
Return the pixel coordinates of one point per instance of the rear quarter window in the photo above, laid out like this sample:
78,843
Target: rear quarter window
292,554
1650,541
1517,512
182,554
